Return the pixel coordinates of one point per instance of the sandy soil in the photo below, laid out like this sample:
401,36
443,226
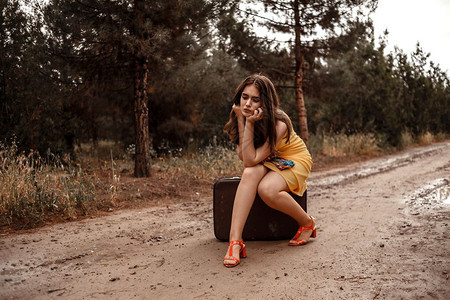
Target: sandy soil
383,233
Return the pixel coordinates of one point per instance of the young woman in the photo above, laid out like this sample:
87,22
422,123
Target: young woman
276,161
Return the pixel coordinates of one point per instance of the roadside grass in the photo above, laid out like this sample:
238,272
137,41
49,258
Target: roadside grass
209,163
341,145
33,188
36,190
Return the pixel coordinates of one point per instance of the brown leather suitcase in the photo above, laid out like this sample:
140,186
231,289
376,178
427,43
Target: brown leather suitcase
263,223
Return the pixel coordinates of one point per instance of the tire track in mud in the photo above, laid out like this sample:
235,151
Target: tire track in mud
372,167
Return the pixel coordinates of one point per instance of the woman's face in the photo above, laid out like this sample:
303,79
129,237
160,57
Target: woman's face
250,100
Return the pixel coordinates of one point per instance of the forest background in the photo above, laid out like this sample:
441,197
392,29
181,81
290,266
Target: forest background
96,93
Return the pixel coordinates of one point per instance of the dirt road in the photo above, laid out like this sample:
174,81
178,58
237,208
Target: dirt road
383,233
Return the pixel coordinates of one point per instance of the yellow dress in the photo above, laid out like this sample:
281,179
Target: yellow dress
296,151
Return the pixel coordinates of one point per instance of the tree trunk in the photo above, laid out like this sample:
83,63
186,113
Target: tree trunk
142,153
141,74
299,72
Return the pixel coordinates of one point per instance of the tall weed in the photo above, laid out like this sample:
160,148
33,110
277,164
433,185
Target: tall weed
406,140
31,188
208,163
425,139
342,145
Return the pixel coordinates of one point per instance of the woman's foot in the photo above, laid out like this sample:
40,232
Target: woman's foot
304,233
236,250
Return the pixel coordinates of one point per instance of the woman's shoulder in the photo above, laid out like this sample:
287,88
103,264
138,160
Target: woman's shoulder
281,128
280,124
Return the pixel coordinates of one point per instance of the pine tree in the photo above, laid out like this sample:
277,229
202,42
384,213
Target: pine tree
315,26
33,109
13,37
124,43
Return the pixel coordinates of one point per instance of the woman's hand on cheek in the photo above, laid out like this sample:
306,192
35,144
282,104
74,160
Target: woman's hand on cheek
257,115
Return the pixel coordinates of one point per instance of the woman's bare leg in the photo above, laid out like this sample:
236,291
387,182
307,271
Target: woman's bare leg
273,190
243,201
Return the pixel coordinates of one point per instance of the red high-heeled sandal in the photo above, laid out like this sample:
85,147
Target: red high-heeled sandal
242,254
296,241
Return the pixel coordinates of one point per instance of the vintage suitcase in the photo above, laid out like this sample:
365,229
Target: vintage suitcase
263,223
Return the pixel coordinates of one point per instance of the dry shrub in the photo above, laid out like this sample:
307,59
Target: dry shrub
440,136
32,188
406,140
342,145
425,139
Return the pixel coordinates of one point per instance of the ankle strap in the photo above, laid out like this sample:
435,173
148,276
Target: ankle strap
232,243
310,227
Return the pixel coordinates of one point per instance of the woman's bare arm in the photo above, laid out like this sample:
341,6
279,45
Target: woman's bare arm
252,156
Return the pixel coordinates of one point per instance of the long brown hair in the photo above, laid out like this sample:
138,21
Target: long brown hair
265,129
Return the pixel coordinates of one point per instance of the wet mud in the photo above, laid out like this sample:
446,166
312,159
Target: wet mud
433,196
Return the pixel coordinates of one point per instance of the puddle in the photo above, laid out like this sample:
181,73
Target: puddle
434,195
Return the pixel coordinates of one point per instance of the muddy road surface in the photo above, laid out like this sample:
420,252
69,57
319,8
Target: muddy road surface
383,233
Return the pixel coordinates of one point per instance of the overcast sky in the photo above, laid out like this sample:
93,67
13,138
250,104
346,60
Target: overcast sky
408,22
412,21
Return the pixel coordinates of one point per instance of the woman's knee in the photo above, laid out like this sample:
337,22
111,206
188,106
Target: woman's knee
253,173
268,193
